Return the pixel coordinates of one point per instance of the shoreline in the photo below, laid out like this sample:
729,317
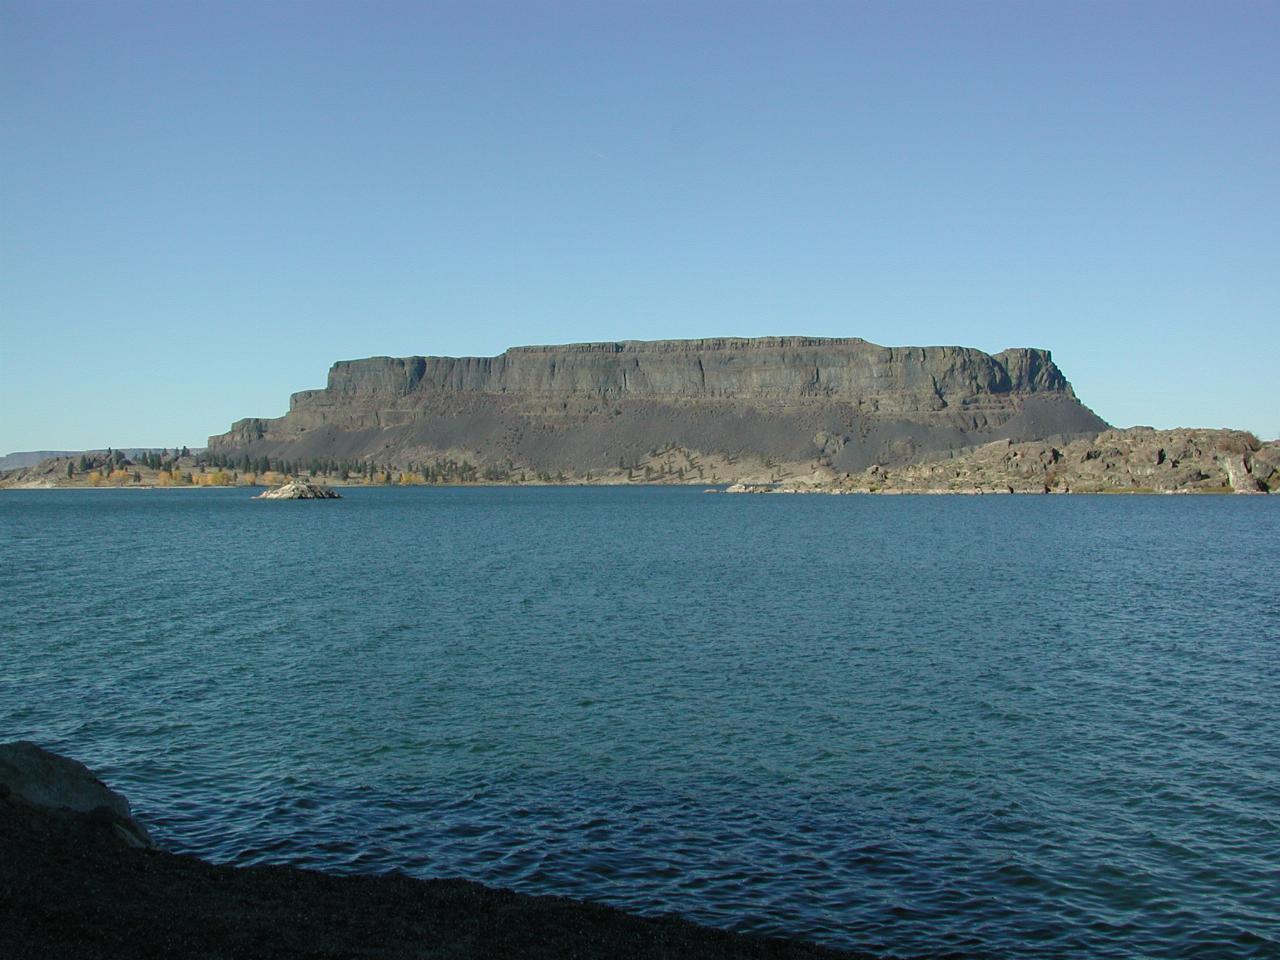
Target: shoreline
81,878
1137,460
725,488
69,888
942,492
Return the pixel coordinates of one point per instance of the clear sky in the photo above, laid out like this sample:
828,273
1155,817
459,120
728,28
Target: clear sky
202,205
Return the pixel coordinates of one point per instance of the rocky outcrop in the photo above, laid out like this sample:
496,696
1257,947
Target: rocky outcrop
69,890
299,490
29,458
32,775
1136,460
845,402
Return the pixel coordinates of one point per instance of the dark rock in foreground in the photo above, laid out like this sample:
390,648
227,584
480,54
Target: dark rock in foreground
299,490
32,775
70,887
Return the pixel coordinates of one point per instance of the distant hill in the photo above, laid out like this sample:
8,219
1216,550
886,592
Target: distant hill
29,458
746,406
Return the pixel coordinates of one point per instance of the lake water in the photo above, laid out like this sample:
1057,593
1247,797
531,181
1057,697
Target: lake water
1005,726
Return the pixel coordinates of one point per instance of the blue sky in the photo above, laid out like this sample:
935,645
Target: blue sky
202,205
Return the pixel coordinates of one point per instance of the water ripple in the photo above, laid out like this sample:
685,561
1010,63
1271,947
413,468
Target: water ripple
1029,727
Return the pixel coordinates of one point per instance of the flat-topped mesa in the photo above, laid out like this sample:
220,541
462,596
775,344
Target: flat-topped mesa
843,403
769,368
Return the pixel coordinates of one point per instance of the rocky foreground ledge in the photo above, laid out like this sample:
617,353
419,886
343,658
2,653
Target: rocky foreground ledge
79,878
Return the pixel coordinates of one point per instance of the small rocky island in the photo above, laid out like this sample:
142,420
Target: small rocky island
299,490
80,878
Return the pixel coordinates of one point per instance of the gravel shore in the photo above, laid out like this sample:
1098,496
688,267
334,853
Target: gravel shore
69,888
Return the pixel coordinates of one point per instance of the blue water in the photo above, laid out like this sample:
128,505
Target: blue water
1005,726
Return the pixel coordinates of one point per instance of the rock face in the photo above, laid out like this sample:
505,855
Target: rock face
299,490
844,402
35,776
1136,460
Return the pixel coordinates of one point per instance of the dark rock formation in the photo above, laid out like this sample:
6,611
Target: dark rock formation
70,888
299,490
32,775
839,403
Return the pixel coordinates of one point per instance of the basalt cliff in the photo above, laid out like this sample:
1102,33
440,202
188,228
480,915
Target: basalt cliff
826,404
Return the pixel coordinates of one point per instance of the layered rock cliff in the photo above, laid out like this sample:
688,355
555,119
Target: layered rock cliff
841,404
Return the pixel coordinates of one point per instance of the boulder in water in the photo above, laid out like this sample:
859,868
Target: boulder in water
299,490
30,774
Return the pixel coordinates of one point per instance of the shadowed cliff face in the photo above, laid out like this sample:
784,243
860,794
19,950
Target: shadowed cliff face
844,403
776,368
